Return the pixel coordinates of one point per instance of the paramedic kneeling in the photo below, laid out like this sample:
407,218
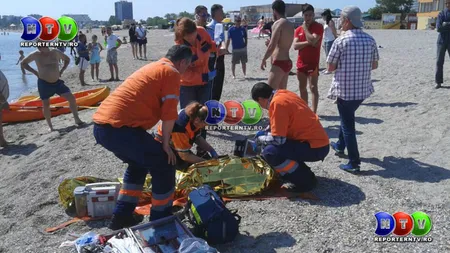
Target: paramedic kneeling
147,96
295,136
186,132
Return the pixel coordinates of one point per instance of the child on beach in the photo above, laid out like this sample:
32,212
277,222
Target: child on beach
95,48
83,53
21,57
4,94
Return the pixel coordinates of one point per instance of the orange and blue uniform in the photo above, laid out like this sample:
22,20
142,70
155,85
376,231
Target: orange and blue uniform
296,136
196,83
147,96
183,136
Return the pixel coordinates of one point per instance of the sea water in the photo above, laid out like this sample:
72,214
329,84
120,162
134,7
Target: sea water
19,84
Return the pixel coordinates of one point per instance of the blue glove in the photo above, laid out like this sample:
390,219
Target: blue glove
212,75
214,154
254,146
260,133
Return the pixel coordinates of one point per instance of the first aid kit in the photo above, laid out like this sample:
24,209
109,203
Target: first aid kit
97,199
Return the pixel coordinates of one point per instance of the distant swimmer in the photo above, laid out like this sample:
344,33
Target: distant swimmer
21,57
278,47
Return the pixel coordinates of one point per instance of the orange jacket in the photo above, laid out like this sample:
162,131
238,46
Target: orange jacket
147,96
197,73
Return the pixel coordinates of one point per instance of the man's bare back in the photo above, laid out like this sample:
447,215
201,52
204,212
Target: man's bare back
285,41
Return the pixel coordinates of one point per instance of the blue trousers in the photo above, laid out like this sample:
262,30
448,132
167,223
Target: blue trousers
442,49
347,132
144,155
289,161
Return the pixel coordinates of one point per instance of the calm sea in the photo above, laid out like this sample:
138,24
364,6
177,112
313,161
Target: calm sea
9,50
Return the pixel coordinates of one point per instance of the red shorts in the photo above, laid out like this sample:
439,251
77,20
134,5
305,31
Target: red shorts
309,70
285,65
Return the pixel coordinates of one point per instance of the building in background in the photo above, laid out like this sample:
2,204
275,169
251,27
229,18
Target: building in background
81,19
337,12
254,13
415,6
124,10
428,12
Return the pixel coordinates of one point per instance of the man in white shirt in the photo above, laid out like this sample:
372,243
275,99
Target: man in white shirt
141,34
4,94
112,44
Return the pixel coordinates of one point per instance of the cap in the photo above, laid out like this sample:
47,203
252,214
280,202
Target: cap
353,14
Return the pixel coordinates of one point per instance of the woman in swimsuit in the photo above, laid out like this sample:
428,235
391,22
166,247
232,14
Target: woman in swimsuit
95,48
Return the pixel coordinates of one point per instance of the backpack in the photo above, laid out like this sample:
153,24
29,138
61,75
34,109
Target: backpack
210,218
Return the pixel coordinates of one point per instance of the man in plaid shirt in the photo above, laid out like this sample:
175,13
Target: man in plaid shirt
353,56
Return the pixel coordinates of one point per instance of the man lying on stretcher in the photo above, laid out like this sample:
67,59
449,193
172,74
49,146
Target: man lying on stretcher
186,132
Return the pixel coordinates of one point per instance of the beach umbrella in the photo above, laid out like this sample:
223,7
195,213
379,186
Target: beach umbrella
12,25
226,20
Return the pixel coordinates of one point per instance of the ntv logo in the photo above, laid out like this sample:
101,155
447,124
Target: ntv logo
402,224
47,30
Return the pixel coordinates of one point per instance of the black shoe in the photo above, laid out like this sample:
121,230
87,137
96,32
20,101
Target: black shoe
119,222
438,85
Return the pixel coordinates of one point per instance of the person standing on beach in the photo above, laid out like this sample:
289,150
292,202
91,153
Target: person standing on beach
83,53
195,82
120,125
141,34
21,57
95,48
443,43
133,40
353,56
278,47
4,95
238,36
49,82
308,41
329,34
201,16
218,36
112,44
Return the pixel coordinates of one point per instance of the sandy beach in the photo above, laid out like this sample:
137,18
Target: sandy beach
403,136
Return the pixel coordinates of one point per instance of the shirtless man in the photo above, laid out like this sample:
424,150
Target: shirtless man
278,47
49,84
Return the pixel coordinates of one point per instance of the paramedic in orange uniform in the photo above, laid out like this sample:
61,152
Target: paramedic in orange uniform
196,82
295,136
147,96
186,132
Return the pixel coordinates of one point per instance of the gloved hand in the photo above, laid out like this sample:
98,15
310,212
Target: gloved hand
254,145
260,133
212,75
214,154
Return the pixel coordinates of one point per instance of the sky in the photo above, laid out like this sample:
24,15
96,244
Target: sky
142,9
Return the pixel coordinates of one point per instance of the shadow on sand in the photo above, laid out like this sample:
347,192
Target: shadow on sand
268,243
257,79
360,120
408,169
333,131
13,149
66,130
398,104
336,193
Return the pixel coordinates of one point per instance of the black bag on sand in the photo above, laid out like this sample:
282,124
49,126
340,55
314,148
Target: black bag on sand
210,218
